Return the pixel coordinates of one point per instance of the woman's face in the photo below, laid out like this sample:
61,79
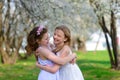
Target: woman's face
45,40
59,37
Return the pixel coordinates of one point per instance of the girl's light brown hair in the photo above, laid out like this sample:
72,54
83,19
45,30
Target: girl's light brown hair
66,32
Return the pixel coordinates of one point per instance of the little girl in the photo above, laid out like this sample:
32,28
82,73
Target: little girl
68,71
38,42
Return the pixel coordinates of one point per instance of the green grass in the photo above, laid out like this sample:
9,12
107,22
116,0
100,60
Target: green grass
22,70
94,66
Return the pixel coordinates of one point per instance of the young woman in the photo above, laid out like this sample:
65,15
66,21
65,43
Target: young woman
38,43
62,39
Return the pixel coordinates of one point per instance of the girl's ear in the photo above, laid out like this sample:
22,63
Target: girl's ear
65,39
38,41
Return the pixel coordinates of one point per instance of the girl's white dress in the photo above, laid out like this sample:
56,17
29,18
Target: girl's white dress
70,71
44,75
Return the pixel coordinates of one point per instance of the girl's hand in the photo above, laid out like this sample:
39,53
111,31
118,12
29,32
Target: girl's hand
37,64
73,60
74,54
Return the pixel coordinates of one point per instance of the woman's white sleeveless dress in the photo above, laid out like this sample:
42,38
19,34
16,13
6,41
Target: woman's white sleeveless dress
70,71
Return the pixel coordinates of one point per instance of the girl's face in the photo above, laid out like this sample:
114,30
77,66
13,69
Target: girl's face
45,40
59,37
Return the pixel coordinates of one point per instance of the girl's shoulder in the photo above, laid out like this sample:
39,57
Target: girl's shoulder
65,50
66,47
41,49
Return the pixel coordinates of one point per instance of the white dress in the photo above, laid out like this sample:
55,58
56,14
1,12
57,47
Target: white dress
45,75
70,71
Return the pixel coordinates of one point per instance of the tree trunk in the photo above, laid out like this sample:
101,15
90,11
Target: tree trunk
81,45
1,38
113,38
8,56
113,53
118,58
105,31
97,42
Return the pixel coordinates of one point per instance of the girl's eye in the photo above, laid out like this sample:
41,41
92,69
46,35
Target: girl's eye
54,34
47,38
59,35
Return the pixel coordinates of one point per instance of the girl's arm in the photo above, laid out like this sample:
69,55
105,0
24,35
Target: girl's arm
51,56
54,68
63,54
51,69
